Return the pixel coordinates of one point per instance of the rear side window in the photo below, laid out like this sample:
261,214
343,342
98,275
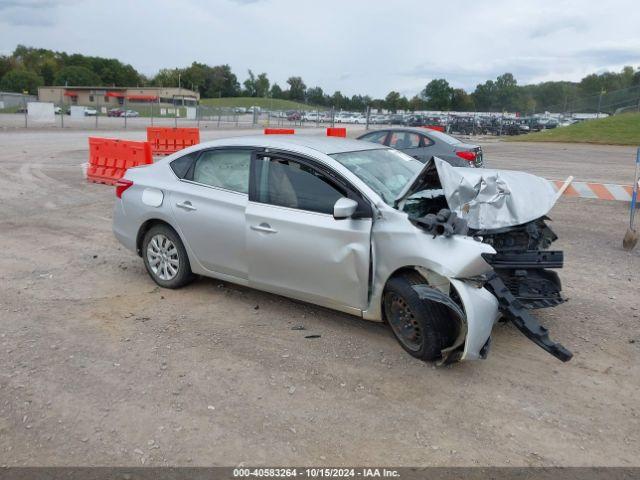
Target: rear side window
181,166
400,140
287,183
228,169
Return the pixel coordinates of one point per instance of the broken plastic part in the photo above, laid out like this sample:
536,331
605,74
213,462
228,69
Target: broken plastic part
514,311
450,354
445,223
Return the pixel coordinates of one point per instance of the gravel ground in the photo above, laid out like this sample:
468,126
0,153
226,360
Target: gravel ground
101,367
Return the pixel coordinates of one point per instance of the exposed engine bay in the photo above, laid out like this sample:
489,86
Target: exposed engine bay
523,278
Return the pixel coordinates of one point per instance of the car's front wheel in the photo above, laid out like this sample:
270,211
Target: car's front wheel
423,328
165,257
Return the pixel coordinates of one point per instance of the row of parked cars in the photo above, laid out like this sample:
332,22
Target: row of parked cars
92,112
462,125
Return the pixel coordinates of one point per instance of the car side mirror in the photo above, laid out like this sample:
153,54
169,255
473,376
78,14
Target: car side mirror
344,208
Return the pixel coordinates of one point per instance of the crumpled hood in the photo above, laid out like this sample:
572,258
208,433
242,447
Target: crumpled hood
489,199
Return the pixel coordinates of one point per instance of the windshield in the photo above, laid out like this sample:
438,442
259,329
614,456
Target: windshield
385,171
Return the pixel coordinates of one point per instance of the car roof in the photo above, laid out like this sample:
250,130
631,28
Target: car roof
322,144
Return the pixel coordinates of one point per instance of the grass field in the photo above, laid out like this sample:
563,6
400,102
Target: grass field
264,103
621,129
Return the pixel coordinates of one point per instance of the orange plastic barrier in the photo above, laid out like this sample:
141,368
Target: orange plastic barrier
109,158
336,132
279,131
438,128
167,140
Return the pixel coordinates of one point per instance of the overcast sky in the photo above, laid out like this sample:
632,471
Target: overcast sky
355,46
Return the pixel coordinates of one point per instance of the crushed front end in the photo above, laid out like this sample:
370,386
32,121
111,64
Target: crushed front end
506,210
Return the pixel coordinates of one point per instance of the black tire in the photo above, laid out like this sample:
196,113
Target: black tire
423,328
183,274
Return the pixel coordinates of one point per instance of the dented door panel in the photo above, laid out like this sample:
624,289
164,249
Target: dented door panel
309,256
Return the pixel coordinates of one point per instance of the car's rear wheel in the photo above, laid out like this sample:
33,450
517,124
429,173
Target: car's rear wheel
423,328
165,257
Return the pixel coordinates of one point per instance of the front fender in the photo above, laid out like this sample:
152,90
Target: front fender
398,244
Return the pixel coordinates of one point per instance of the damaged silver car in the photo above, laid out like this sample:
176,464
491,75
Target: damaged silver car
439,253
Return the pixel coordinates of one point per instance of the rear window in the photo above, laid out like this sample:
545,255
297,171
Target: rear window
181,166
443,137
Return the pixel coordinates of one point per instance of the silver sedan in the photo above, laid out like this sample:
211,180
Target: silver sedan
424,143
345,224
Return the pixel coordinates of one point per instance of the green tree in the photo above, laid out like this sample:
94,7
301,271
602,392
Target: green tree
338,101
392,101
20,80
461,101
250,85
315,96
77,76
262,85
484,96
297,88
416,103
6,64
437,94
276,91
506,92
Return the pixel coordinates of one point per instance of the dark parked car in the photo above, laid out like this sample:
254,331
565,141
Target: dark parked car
115,112
294,116
424,143
396,119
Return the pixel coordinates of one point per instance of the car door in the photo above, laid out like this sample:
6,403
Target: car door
295,245
209,205
407,142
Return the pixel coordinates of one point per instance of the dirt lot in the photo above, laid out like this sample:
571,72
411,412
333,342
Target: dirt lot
101,367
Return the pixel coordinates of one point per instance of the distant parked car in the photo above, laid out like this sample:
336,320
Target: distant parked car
130,113
344,117
423,143
311,117
359,119
293,116
90,112
115,112
396,119
57,110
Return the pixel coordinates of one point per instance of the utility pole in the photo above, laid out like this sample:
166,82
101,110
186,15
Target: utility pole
602,92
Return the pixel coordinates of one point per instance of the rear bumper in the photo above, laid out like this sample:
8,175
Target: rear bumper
122,228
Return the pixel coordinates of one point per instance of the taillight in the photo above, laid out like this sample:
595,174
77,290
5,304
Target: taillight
468,156
122,185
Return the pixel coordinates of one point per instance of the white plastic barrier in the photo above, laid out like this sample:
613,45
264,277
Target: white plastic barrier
41,112
77,112
191,113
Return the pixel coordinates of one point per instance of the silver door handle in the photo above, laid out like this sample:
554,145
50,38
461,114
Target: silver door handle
186,205
263,227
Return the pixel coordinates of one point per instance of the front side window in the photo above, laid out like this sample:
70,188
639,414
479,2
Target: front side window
228,169
376,137
385,171
292,184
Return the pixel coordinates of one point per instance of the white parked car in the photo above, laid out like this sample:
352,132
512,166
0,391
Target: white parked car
311,117
90,112
343,117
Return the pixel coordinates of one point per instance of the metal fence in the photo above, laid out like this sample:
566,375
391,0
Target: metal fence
138,115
